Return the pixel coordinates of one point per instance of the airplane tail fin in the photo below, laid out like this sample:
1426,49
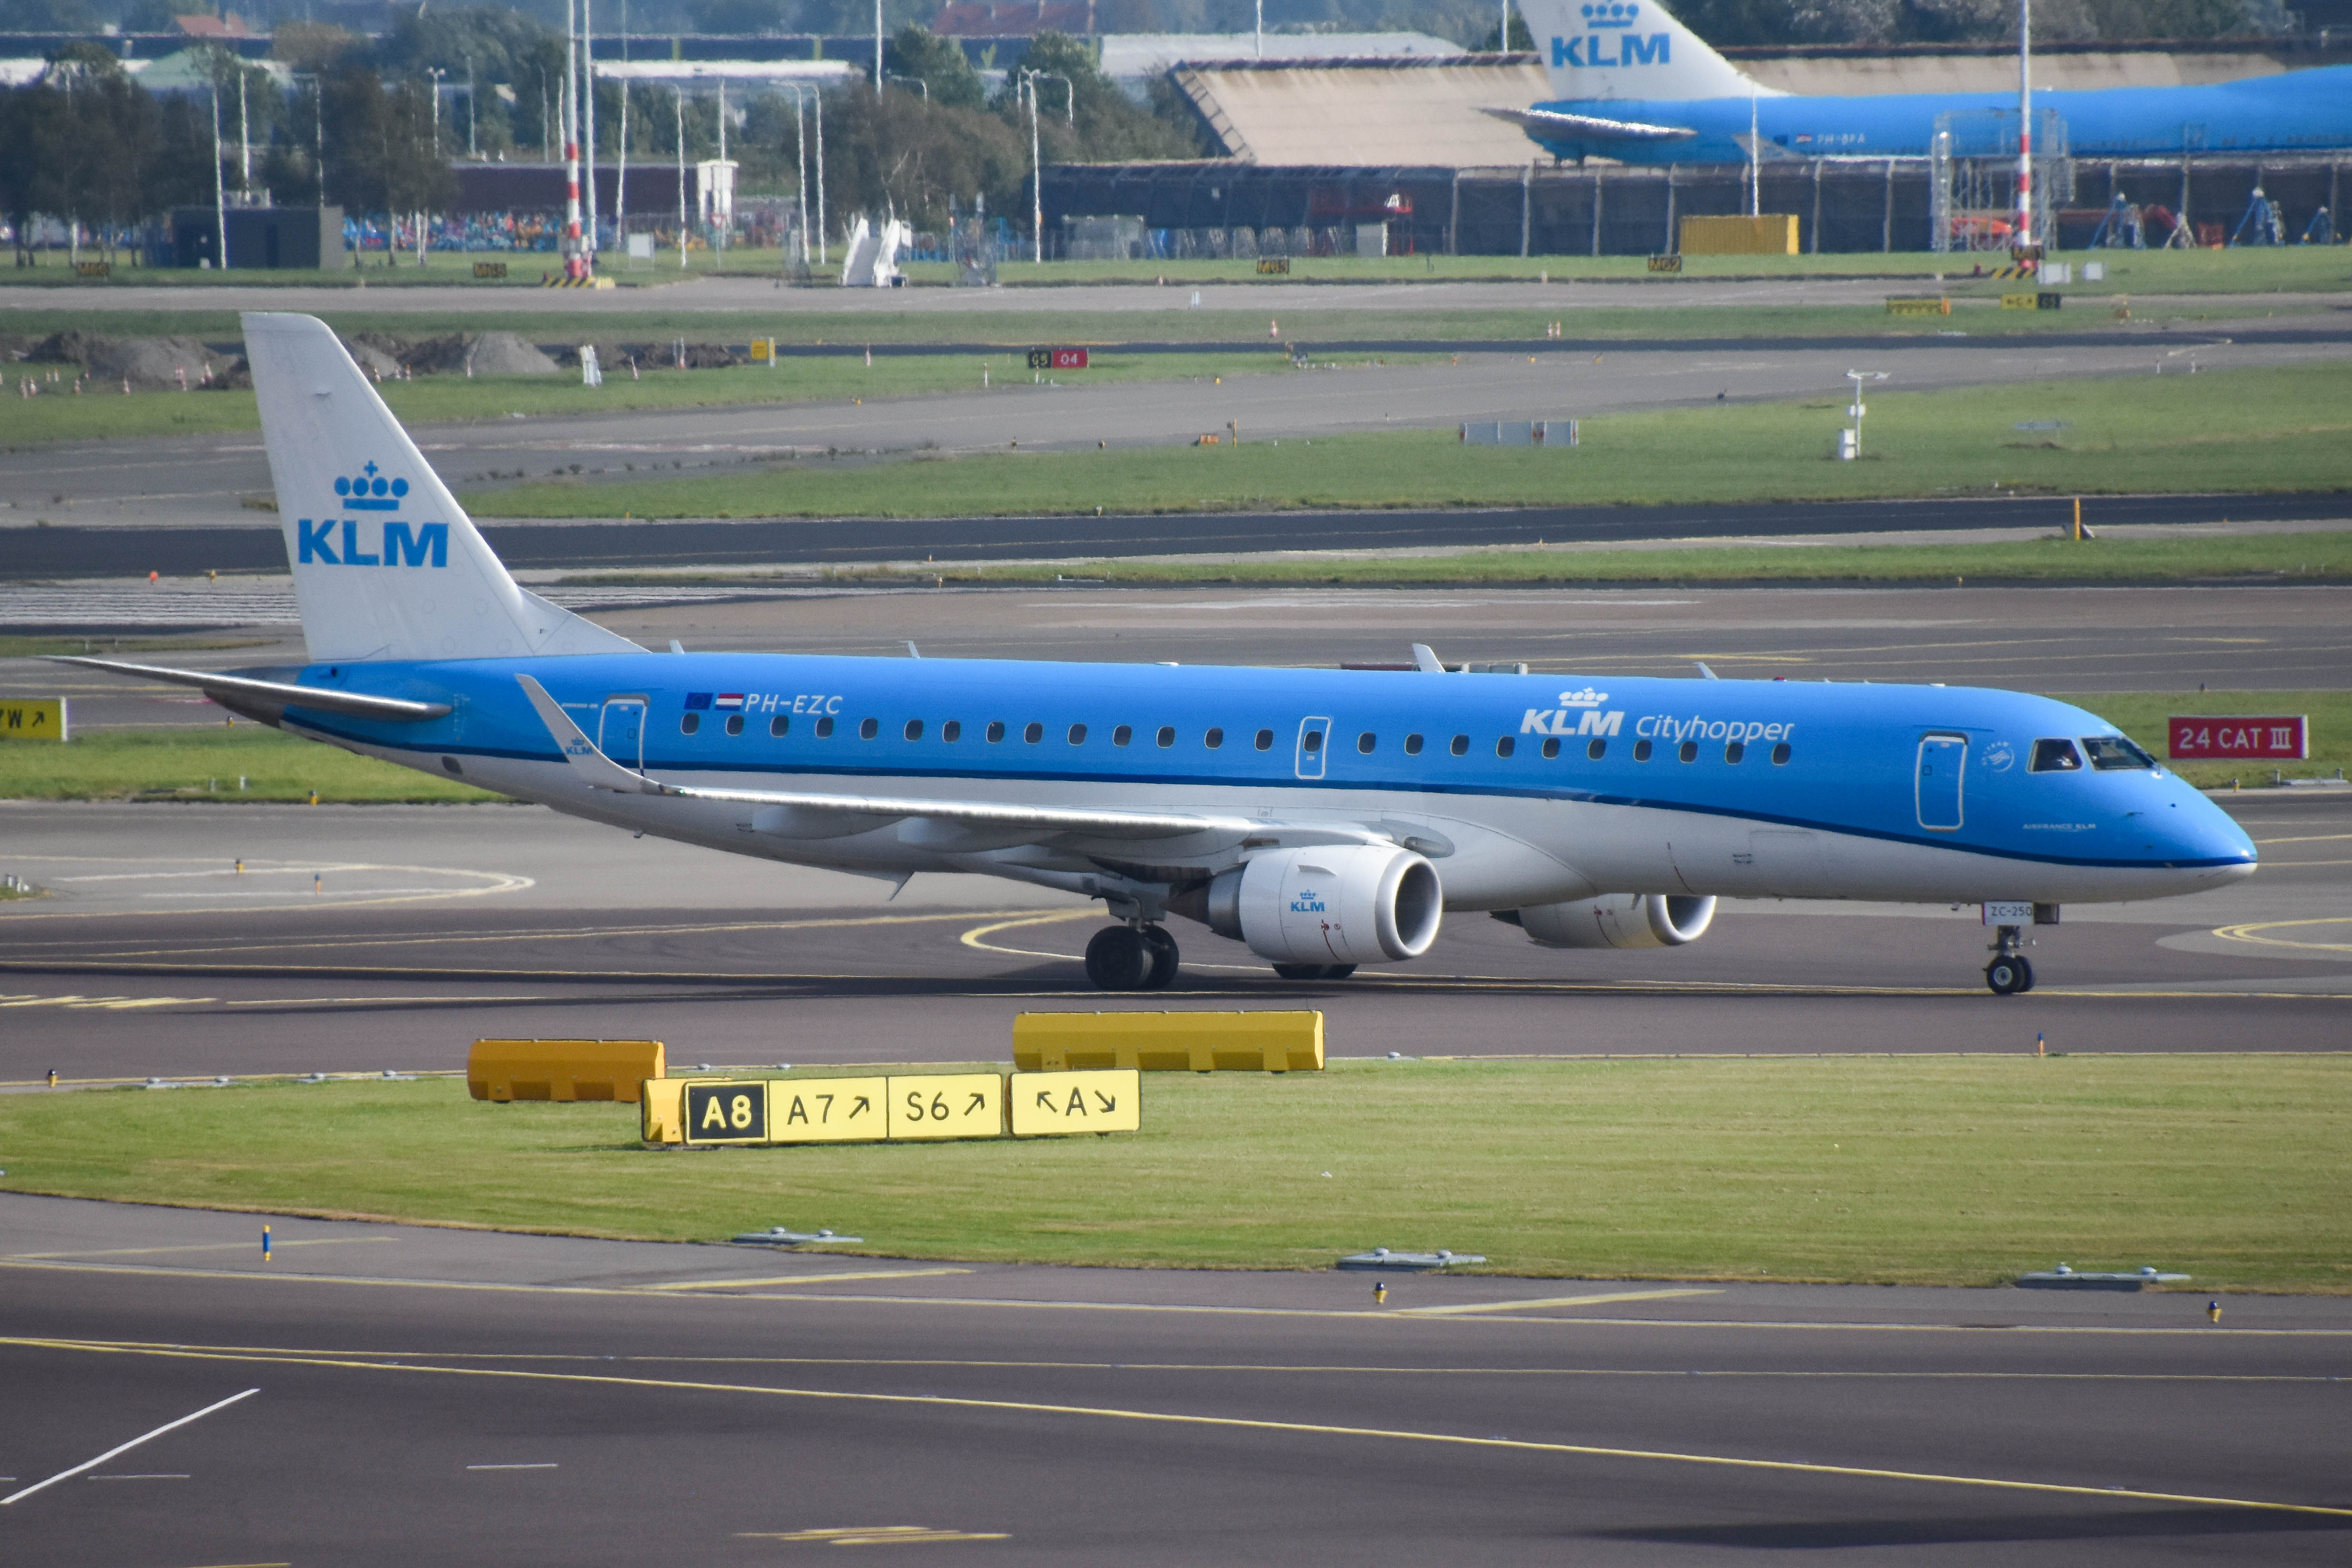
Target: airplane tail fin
1596,49
386,564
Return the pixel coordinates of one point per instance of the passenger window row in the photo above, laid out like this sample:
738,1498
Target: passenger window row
1734,752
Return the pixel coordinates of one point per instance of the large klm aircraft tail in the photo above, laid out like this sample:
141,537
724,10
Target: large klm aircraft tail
386,564
1596,49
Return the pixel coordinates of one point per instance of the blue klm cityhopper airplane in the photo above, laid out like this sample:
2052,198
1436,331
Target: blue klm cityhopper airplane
1327,817
1635,85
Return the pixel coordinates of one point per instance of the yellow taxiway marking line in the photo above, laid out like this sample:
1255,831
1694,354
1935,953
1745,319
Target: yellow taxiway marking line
1259,1368
804,1280
570,933
1551,1302
201,1247
1225,1423
495,882
870,1535
2251,932
2308,839
1358,1314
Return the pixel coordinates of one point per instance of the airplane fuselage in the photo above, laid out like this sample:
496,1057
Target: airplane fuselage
2291,112
1521,790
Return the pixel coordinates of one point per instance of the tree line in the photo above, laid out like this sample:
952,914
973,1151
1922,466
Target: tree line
355,127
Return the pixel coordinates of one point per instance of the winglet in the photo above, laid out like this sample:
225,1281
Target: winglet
1425,659
597,770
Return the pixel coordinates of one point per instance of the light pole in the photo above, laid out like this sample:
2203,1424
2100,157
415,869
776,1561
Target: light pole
1029,80
1850,443
679,94
1036,177
436,73
470,150
878,48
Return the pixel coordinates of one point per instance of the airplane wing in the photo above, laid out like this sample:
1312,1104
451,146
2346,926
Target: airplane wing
599,771
1589,127
275,693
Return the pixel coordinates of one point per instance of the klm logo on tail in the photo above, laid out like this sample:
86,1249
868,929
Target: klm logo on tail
1595,46
397,543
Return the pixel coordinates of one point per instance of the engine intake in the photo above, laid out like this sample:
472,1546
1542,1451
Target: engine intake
1341,904
1617,920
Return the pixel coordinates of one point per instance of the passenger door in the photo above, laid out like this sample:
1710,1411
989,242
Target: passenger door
1943,764
621,731
1313,743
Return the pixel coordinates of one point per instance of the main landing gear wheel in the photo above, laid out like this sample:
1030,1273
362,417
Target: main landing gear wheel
1314,971
1117,959
1123,959
1161,948
2009,976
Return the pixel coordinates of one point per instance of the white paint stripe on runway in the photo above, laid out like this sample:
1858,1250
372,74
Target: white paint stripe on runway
126,1448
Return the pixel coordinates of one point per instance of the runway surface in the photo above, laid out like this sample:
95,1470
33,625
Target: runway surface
387,1395
607,545
205,480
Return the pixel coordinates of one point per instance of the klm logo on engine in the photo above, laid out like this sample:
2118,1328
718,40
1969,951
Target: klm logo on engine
1607,40
1579,713
1308,902
329,541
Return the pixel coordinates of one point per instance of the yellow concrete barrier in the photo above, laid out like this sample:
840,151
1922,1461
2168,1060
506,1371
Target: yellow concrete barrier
660,1107
1064,1104
1772,233
1917,305
505,1070
829,1111
724,1111
1169,1042
946,1106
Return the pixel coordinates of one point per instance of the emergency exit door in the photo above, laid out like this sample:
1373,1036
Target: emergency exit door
1943,763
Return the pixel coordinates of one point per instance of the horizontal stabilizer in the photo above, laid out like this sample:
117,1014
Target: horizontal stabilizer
601,772
1552,122
269,693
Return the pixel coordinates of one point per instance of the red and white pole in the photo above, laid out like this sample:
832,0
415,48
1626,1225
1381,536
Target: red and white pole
573,263
2021,242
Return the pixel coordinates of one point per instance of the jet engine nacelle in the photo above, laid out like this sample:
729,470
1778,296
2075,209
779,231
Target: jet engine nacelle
1619,920
1339,904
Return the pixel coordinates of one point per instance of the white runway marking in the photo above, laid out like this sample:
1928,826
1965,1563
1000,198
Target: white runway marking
126,1448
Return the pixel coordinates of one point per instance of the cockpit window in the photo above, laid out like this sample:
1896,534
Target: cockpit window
2110,752
2054,756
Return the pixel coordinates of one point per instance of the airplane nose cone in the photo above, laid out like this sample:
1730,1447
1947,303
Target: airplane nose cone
2210,839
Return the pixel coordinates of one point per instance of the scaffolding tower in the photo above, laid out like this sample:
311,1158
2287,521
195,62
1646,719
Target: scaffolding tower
1972,180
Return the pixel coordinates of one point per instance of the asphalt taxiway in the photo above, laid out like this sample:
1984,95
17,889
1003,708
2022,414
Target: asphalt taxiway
191,942
381,1394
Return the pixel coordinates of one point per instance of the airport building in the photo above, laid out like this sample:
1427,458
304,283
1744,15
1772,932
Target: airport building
1398,156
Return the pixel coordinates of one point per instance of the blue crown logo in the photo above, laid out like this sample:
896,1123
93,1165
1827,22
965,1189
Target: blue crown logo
369,491
1610,15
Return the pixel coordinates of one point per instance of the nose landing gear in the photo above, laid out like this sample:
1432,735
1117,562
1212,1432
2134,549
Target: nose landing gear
1140,957
2009,974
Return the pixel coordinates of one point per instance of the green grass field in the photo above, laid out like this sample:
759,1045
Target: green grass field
2283,428
1947,1171
191,764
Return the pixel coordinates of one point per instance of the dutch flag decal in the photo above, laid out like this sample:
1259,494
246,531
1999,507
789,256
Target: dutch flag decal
730,699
